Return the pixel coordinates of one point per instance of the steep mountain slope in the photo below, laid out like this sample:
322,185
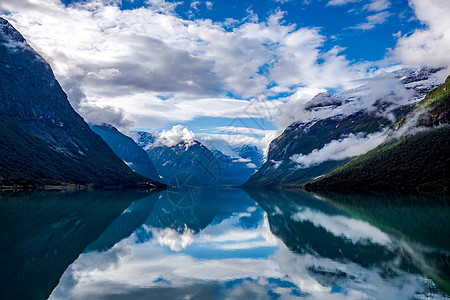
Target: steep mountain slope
125,148
416,157
303,139
355,113
42,139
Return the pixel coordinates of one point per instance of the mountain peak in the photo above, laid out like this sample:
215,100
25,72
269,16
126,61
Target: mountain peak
8,32
42,139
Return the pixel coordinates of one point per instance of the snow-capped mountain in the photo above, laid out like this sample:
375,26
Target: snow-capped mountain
143,139
418,143
209,166
336,127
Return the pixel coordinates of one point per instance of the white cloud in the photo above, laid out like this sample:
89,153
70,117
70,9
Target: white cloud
342,2
122,61
194,4
251,166
121,56
174,136
378,5
242,160
346,147
162,6
268,138
276,164
226,143
384,87
373,20
431,45
129,269
373,5
244,130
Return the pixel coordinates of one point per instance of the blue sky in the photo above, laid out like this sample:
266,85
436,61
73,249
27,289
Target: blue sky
336,22
209,65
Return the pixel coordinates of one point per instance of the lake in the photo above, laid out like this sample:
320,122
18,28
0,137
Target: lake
199,243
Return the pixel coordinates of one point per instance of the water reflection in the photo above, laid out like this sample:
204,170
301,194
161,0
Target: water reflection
42,233
229,244
418,227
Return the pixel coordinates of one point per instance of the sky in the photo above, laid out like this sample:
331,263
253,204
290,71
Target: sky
223,69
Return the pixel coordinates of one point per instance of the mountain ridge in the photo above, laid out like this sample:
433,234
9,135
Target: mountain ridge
127,150
43,141
354,113
415,157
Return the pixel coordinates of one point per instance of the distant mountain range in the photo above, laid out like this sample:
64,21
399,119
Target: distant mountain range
43,141
293,158
416,155
193,161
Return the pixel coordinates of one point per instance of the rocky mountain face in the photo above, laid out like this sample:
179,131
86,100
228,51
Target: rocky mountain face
125,148
143,139
42,139
208,166
414,157
189,163
354,113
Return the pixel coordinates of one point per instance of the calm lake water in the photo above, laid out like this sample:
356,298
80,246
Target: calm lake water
223,244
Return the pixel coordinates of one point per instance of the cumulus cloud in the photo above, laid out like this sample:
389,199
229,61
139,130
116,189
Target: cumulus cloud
431,45
99,115
369,96
115,57
122,61
149,268
344,148
174,136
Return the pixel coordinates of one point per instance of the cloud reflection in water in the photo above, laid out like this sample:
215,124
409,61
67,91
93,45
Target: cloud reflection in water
236,248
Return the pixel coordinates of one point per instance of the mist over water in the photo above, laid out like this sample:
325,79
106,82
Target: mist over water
223,244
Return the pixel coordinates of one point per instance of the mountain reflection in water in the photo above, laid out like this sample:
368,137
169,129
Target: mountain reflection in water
257,244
